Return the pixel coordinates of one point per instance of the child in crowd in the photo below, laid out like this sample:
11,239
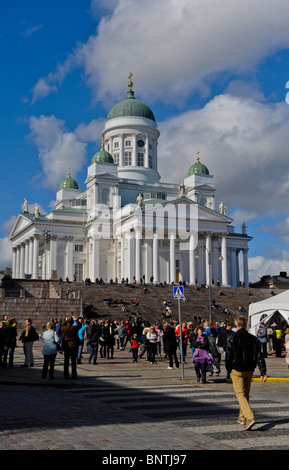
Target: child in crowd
134,347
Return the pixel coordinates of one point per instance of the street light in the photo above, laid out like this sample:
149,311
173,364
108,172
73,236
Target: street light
220,258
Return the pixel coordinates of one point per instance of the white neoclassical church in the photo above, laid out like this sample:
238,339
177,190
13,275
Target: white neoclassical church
129,224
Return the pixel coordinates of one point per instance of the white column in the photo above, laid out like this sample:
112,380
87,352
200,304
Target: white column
93,258
149,260
69,258
224,262
121,151
30,261
192,258
22,261
35,272
138,254
234,267
245,267
14,262
237,268
172,257
130,265
26,256
122,257
146,155
134,150
53,254
156,258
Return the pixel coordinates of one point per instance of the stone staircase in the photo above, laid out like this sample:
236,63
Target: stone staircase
41,300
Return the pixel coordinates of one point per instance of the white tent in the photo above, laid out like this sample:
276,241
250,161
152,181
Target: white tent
266,309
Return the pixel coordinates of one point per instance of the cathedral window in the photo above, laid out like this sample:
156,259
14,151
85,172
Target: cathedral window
127,158
140,159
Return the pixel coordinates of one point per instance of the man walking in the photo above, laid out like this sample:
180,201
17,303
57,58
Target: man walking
242,356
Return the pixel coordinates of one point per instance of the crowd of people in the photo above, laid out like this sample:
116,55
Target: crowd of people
203,341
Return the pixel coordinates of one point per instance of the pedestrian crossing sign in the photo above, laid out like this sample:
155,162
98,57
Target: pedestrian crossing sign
179,292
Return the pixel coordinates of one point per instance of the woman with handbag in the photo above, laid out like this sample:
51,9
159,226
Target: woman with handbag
201,356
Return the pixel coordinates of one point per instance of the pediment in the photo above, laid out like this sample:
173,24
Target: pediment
21,224
184,207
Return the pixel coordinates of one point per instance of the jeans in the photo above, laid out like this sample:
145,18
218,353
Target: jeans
173,356
28,353
49,361
7,351
152,352
80,348
200,370
70,354
93,354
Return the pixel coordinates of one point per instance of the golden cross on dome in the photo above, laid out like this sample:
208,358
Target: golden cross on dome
130,82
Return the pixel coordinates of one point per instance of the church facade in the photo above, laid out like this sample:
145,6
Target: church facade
128,223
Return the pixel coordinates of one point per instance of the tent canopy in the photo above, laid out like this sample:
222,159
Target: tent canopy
265,310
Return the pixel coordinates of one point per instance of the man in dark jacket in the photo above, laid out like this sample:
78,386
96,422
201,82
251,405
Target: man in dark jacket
242,356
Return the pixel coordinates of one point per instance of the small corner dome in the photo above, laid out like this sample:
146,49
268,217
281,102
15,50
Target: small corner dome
198,168
68,182
102,156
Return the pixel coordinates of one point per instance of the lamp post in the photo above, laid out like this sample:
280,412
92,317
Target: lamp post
210,275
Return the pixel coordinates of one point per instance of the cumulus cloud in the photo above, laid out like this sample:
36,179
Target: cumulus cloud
58,149
174,46
5,253
272,266
243,142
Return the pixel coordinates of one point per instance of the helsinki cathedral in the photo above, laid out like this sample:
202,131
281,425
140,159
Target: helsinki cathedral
127,223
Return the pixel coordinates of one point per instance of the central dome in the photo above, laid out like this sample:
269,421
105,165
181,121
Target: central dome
130,106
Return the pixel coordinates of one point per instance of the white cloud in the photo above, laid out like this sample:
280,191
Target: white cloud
58,149
260,266
33,29
5,253
244,144
174,46
90,132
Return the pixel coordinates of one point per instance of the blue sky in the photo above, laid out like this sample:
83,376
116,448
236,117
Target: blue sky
213,72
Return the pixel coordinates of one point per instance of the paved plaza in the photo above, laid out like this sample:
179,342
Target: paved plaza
117,405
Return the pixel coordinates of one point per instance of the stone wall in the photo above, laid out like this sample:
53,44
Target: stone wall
39,310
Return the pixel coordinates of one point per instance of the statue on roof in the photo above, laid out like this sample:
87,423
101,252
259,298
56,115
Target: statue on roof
139,200
36,210
222,208
25,205
181,190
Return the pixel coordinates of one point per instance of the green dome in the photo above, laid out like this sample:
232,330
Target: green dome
102,156
130,106
68,182
198,168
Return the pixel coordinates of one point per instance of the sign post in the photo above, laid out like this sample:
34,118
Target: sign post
179,294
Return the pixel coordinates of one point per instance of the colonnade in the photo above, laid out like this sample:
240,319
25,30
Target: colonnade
208,258
37,257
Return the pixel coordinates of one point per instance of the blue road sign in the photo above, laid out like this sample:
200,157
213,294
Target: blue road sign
179,292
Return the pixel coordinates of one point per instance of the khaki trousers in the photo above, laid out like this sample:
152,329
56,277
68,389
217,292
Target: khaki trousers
242,383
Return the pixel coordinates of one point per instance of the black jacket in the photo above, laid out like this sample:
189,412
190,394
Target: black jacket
170,341
244,353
